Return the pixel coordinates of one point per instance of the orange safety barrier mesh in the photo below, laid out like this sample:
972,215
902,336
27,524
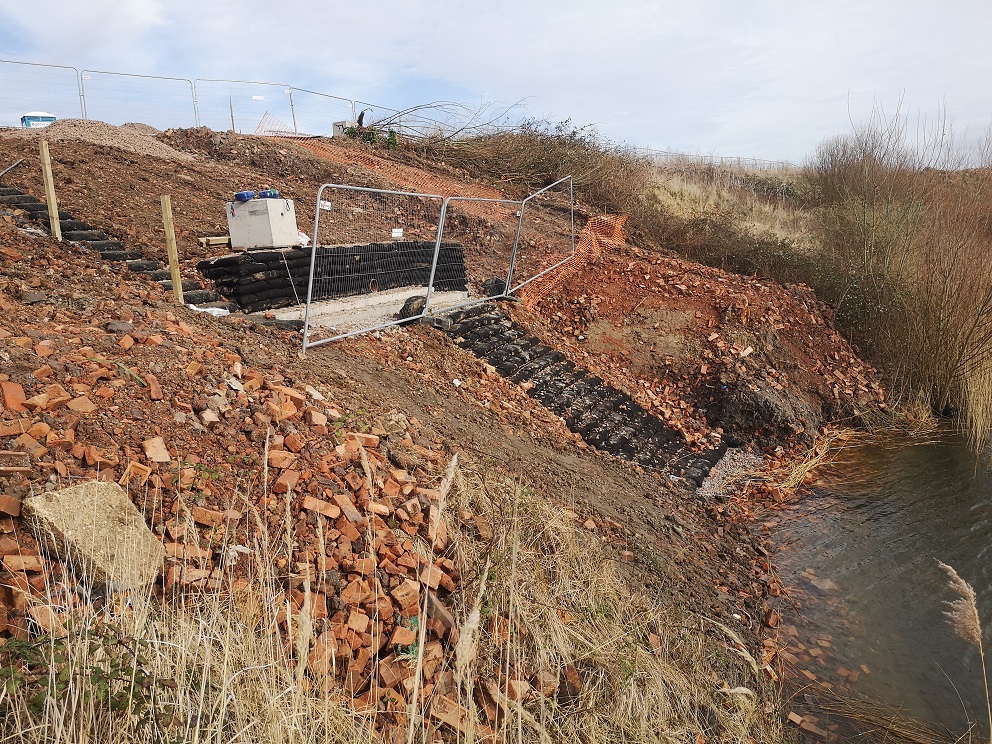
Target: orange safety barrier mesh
602,232
407,177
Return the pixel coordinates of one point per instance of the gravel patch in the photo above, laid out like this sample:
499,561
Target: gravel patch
146,129
136,138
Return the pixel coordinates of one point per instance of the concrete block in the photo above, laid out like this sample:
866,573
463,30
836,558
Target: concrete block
98,533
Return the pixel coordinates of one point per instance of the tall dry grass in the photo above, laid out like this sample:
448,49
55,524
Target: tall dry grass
550,601
766,204
963,617
891,225
132,666
541,602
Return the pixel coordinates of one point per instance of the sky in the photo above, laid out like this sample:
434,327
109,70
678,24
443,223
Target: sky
765,79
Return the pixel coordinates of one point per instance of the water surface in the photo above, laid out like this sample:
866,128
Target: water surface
861,552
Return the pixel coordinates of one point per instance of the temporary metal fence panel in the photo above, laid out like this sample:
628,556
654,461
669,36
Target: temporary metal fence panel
480,225
317,112
242,105
372,250
545,233
25,87
121,98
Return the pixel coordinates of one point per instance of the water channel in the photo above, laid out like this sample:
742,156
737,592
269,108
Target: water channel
860,553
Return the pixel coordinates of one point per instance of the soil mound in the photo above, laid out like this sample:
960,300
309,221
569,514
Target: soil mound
136,138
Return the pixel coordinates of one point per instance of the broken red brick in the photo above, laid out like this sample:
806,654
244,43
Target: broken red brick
10,505
348,509
22,562
407,593
369,441
30,445
81,405
13,397
286,481
155,450
191,552
208,517
281,458
324,507
316,418
154,388
294,443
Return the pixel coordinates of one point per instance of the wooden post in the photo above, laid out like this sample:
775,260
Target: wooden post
170,244
53,204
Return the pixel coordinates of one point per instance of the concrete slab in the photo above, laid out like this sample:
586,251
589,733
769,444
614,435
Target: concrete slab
98,533
366,311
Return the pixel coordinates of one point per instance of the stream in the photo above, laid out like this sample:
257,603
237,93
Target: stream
859,554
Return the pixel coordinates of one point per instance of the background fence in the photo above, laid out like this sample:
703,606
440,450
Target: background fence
246,106
242,105
664,157
163,102
28,87
119,98
390,256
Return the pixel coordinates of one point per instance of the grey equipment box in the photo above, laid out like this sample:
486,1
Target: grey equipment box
339,127
262,223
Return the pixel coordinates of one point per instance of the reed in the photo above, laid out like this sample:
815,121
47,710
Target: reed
964,619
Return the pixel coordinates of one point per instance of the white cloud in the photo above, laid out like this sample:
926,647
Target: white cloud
760,78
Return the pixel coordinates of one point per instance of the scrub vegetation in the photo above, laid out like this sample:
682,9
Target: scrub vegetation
890,224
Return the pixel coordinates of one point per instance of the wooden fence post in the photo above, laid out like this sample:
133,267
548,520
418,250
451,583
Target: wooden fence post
53,204
170,244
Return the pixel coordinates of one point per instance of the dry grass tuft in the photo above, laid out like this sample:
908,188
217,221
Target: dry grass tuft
963,615
763,204
521,160
878,722
568,651
909,225
129,667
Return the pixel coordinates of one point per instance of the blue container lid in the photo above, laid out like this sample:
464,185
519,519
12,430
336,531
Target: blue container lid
243,196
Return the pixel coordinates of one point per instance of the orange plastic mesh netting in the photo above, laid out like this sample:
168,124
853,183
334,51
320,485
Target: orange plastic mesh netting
601,233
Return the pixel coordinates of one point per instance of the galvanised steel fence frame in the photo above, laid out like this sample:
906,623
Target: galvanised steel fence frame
511,288
136,106
227,90
122,108
324,205
313,280
34,78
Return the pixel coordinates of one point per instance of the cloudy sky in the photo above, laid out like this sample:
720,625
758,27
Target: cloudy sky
761,79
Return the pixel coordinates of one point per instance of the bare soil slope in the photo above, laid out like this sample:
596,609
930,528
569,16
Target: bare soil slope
698,347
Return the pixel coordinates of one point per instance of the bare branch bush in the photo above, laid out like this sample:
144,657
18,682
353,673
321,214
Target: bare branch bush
910,226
